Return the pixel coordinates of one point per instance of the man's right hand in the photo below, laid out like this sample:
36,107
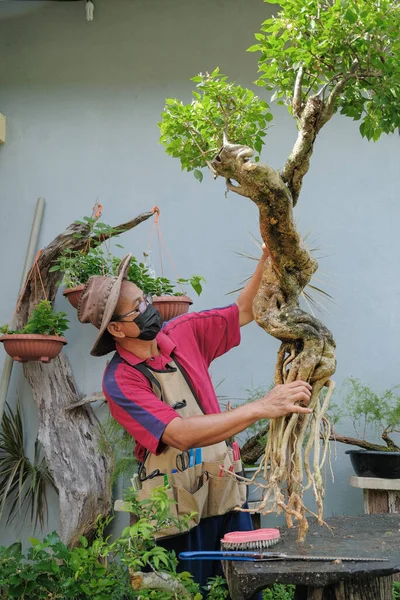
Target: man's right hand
285,399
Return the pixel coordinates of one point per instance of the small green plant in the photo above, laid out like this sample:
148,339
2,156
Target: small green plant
78,266
43,320
279,591
396,590
370,413
140,274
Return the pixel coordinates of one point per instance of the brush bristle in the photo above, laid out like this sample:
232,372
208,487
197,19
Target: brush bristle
258,539
257,545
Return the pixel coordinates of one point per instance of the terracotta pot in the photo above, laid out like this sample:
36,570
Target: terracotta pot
73,295
172,306
25,347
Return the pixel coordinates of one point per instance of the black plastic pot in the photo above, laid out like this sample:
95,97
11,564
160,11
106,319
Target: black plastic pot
372,463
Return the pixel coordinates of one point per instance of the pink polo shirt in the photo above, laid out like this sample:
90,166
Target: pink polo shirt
196,339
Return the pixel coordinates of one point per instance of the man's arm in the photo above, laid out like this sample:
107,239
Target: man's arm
245,300
197,432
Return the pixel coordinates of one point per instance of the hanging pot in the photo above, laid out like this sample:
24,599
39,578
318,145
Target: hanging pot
27,347
172,306
73,295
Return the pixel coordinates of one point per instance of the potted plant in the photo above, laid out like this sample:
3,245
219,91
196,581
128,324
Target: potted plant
41,338
77,267
169,302
371,413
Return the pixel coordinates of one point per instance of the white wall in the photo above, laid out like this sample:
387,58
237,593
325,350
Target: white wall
82,102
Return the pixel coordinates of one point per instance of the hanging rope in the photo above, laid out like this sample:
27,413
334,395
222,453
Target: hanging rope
162,243
35,274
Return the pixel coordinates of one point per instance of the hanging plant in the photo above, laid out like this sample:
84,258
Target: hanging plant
77,266
23,483
168,301
41,338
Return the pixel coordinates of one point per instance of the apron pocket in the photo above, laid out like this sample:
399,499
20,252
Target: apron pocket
224,495
196,502
187,479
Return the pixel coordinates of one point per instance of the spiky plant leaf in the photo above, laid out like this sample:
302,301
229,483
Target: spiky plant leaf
23,483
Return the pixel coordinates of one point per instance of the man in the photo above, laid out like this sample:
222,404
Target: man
158,387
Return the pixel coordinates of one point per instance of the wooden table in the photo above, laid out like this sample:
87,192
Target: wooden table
380,495
363,536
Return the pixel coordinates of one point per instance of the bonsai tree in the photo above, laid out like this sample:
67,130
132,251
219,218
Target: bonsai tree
319,57
369,412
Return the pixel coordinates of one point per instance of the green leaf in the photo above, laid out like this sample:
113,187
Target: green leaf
254,48
350,16
198,175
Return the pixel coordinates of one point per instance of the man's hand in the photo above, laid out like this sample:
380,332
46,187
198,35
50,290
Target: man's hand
284,400
265,251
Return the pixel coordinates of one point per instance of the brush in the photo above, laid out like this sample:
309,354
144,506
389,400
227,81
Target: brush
258,539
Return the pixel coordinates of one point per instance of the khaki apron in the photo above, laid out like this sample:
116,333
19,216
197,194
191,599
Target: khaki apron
202,488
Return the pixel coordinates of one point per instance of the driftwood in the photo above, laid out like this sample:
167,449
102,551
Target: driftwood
71,439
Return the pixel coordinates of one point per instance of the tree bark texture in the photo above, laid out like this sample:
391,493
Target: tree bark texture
70,438
377,588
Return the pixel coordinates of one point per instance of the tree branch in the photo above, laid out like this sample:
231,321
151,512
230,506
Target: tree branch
124,227
96,397
297,93
334,437
158,581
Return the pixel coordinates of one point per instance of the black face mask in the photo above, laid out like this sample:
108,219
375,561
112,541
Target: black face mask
149,323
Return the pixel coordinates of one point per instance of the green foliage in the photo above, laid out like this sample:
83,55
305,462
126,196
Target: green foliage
116,440
368,410
99,570
217,589
332,41
329,39
194,132
396,590
22,482
279,592
78,266
44,321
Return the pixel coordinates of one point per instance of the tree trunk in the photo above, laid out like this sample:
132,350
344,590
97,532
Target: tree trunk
253,449
70,438
307,350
